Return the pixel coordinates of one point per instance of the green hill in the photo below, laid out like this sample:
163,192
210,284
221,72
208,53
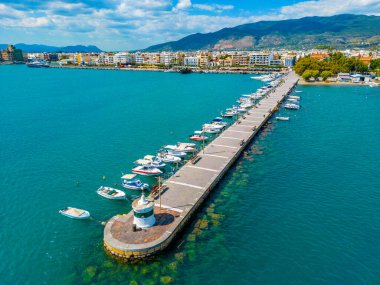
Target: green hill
340,31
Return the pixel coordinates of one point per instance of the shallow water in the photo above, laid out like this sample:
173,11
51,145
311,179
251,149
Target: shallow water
302,208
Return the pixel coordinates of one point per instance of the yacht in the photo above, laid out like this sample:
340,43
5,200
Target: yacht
37,63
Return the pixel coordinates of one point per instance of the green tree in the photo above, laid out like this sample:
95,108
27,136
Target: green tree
326,74
374,64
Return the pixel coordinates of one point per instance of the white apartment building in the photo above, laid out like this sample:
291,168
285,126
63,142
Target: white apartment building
123,58
190,61
260,58
167,58
139,59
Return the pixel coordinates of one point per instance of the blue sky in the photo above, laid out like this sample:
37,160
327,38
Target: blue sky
134,24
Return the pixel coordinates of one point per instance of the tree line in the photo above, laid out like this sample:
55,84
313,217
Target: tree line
337,62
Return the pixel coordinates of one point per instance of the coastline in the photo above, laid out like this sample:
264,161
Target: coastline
219,71
329,83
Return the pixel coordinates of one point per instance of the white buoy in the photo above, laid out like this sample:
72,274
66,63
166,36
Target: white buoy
143,212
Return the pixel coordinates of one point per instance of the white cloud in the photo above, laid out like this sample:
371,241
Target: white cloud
213,7
183,4
131,24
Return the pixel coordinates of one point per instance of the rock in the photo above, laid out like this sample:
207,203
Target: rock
144,270
203,224
197,232
166,279
173,266
88,274
180,256
215,223
108,264
191,237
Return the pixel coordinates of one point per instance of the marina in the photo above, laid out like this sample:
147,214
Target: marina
190,186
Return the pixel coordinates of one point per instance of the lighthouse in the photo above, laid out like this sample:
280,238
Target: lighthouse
143,212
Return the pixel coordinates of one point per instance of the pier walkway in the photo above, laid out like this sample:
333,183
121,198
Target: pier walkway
190,186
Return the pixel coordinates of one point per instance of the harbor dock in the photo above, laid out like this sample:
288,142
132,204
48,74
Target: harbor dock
190,186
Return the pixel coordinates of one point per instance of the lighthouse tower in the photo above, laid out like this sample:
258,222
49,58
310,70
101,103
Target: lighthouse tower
143,212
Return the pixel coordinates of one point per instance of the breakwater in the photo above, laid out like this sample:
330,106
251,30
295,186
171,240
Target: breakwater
191,185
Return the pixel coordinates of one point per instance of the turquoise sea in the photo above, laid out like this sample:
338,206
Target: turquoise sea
302,208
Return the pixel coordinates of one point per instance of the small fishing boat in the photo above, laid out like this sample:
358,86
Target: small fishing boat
294,97
298,91
165,157
197,136
291,100
128,181
282,118
110,193
146,170
75,213
292,106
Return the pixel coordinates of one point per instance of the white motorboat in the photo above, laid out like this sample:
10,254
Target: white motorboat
151,160
218,121
110,193
182,147
176,153
168,158
198,136
282,118
146,170
211,130
294,97
128,181
75,213
214,126
291,100
292,106
298,91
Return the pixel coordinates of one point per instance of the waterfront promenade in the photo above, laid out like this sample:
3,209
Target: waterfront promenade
191,185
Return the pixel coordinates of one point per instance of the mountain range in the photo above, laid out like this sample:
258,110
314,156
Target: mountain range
340,31
45,48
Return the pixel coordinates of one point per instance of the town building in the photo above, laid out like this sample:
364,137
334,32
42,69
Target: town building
190,61
11,54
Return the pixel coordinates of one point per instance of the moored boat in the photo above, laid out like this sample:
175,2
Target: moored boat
75,213
128,182
110,193
146,170
282,118
168,158
197,136
292,106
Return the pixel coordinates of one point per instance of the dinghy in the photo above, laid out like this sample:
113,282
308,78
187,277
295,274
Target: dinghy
110,193
129,182
75,213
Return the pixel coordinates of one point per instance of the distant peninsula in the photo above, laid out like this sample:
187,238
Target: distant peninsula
340,31
46,48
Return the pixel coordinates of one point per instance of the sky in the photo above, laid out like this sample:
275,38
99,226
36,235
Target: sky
116,25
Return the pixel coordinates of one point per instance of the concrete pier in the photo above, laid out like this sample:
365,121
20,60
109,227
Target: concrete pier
191,185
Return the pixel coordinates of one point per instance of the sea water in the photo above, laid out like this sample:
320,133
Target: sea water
301,208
